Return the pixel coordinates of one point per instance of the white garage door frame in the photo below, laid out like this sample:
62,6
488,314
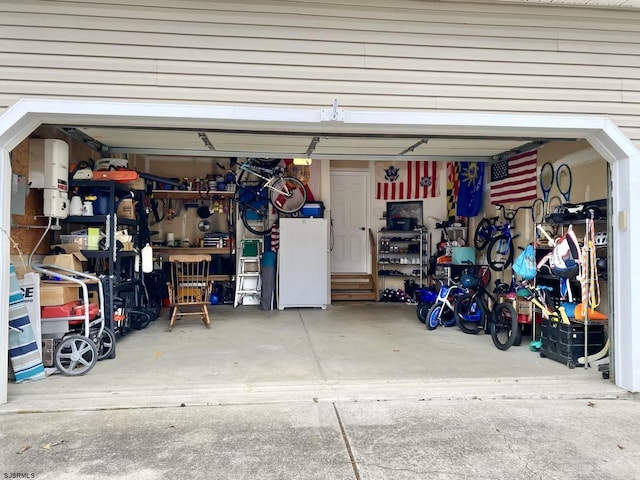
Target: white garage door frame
605,137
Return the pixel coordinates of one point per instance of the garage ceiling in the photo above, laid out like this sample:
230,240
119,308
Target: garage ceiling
287,144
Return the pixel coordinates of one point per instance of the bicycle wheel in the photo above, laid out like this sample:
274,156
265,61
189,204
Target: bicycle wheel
504,325
500,253
517,337
288,195
483,234
422,311
139,319
106,344
447,318
433,316
469,312
259,220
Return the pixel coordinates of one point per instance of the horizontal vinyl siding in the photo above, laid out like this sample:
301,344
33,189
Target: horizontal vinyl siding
415,55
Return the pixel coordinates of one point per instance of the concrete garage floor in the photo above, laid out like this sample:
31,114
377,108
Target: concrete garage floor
361,392
350,351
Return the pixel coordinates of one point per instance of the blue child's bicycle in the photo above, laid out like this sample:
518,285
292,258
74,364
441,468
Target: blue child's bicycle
441,312
473,313
426,298
497,238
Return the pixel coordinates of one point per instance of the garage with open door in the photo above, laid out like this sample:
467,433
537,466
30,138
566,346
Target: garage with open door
181,119
347,130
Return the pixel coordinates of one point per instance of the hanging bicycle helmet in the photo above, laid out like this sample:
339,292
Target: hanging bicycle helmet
469,280
601,239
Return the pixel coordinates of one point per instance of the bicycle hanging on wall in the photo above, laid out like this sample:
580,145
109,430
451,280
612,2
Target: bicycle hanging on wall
497,237
264,191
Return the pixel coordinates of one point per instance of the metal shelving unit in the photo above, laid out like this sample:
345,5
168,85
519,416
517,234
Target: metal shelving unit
111,256
402,255
573,284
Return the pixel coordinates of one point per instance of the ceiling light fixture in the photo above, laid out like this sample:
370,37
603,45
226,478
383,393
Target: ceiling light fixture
302,161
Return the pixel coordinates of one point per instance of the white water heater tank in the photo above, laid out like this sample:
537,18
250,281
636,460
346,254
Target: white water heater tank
49,164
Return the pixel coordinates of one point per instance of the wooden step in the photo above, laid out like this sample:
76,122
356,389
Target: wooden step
353,296
349,276
353,287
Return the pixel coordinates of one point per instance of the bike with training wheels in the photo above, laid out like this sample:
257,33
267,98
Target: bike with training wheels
497,237
264,191
473,313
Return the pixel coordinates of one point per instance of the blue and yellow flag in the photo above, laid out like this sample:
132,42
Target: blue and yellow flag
471,182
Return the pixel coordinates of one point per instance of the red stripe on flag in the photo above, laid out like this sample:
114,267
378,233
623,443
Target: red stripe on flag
433,186
409,183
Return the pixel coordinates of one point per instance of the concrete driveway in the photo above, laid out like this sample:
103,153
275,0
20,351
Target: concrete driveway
353,392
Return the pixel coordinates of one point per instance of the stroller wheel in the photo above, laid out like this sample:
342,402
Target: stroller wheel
139,319
153,312
106,344
75,355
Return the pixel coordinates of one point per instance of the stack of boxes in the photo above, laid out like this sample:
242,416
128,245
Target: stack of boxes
54,294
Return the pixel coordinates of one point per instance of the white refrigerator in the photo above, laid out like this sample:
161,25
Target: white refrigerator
303,263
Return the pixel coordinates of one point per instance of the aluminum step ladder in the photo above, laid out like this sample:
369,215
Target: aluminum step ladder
248,281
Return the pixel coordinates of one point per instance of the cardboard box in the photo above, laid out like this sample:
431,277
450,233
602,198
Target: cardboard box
138,184
94,297
57,293
523,307
127,209
72,259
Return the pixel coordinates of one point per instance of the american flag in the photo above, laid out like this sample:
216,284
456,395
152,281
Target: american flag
406,180
514,180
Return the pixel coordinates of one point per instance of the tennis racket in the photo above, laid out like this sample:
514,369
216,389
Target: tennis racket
537,211
546,182
554,203
564,181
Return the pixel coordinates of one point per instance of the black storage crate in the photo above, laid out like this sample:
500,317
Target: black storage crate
565,343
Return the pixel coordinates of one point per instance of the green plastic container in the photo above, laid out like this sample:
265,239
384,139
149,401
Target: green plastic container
250,248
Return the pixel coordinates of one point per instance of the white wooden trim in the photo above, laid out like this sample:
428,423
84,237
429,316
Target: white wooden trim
23,117
5,228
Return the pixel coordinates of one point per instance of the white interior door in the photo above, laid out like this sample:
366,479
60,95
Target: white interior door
350,216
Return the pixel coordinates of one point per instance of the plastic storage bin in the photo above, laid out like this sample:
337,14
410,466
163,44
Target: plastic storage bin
565,343
80,240
463,255
312,210
250,248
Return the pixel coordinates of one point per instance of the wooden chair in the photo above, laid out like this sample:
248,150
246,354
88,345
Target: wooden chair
189,286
